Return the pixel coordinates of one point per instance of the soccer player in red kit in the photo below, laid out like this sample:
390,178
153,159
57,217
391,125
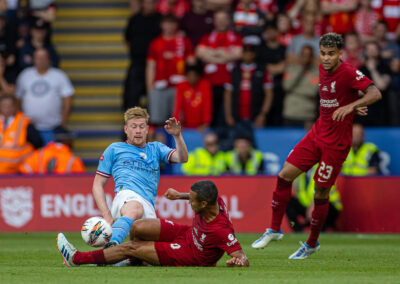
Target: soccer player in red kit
327,143
162,242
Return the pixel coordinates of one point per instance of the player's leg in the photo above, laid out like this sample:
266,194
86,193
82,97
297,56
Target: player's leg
146,230
304,155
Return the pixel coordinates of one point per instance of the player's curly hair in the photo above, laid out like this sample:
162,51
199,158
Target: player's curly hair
331,40
206,190
136,112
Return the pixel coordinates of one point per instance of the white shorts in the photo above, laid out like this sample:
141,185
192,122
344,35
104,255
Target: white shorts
125,196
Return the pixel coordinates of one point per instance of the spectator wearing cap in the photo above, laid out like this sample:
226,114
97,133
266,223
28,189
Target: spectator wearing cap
54,158
248,21
193,102
46,95
244,159
166,60
219,50
272,55
18,136
249,94
203,19
38,34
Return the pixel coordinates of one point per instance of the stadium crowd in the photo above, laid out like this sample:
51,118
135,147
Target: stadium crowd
232,65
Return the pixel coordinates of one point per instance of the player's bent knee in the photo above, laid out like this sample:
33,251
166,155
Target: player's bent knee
133,210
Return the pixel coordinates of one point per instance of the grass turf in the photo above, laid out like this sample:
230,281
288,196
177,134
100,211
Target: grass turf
345,258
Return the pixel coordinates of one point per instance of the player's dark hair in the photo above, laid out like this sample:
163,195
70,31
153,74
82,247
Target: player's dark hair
206,190
331,40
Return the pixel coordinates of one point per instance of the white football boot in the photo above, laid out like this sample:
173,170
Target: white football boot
66,250
266,238
304,251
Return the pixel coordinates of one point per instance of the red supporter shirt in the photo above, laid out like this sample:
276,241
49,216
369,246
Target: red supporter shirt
219,74
193,104
180,8
391,14
170,56
341,22
209,241
338,89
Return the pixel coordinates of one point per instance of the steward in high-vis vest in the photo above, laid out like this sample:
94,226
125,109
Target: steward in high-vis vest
54,158
16,135
244,159
363,158
304,198
206,161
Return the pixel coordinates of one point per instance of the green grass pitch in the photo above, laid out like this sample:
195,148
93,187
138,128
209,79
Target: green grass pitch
343,258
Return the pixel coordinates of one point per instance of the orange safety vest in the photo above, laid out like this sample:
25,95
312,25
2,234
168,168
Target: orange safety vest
14,147
54,158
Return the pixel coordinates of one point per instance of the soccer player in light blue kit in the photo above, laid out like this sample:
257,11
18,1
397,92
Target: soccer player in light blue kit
135,167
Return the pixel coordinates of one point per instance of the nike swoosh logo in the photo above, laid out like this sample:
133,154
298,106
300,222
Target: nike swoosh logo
320,180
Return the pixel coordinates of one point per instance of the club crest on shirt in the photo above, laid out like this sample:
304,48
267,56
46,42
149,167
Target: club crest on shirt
143,155
333,87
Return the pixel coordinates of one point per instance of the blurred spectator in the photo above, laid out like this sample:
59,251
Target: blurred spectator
203,19
142,28
376,68
135,6
8,38
307,7
365,19
37,40
193,102
46,95
248,21
216,5
301,85
388,48
352,52
363,158
268,7
340,14
391,16
272,54
395,92
206,161
249,94
176,7
300,205
165,68
244,159
17,136
55,157
219,50
43,9
306,38
284,26
8,77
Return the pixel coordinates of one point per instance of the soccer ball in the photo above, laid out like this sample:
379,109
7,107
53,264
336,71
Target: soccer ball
96,232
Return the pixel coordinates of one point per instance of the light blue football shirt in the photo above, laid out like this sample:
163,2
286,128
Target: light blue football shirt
134,168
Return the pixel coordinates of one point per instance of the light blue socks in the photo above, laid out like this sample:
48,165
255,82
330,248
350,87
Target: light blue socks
120,229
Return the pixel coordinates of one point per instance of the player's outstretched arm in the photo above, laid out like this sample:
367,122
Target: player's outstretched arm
371,96
173,194
100,197
239,259
174,128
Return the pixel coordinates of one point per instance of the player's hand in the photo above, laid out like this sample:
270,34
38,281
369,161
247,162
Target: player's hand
259,122
172,194
237,262
109,220
341,112
173,127
362,111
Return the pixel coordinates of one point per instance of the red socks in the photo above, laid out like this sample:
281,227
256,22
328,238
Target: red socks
90,257
280,199
321,208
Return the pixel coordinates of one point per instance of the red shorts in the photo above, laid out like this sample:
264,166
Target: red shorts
309,151
172,248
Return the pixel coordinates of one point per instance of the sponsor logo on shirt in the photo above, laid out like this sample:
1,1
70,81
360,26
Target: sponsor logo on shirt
325,88
329,103
143,155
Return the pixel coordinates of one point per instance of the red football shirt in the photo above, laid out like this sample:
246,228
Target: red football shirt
338,89
193,104
219,74
210,240
170,56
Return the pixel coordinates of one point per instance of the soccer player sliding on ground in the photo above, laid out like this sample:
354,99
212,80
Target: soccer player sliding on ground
327,143
162,242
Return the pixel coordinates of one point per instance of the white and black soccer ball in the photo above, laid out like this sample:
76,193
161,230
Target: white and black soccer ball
96,232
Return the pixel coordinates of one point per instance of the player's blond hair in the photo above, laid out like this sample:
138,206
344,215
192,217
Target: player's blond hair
136,112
